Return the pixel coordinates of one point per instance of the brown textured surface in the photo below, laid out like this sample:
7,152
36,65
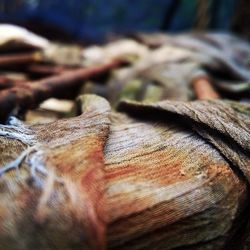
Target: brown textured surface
152,211
226,125
146,179
71,209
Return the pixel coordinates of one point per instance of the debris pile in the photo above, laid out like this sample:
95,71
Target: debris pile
153,154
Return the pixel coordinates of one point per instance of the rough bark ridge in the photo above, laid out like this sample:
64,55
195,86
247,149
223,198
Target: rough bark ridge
160,176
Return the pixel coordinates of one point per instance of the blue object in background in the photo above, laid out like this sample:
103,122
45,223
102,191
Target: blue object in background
93,19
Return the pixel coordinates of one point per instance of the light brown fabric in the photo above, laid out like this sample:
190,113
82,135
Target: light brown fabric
158,176
63,208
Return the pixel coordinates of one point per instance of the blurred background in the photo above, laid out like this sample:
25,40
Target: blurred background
122,49
96,20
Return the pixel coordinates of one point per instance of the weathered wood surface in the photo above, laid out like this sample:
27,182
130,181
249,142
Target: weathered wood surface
157,176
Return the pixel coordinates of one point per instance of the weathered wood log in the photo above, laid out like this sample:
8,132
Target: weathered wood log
33,93
161,176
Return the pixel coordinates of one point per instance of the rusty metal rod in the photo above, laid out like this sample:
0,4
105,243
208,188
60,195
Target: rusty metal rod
6,83
204,89
19,59
46,69
30,94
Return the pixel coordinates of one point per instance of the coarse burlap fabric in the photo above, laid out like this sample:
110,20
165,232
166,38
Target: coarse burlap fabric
166,175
